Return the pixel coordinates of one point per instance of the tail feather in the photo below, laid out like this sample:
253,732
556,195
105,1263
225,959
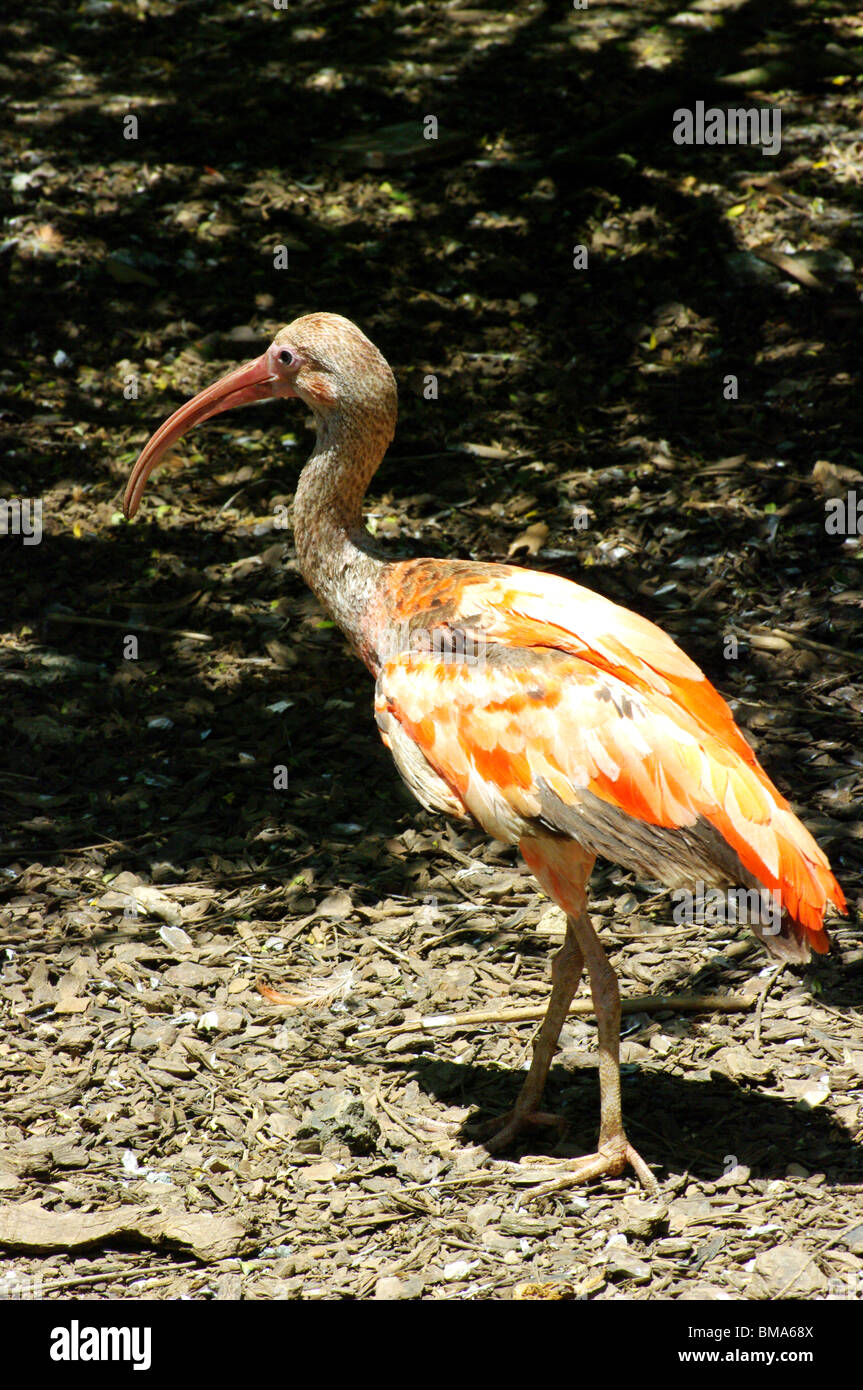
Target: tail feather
799,873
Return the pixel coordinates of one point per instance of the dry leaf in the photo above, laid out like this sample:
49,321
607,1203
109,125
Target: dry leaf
532,540
32,1227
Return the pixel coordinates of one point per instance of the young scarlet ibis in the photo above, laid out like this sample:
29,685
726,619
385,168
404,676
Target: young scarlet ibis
519,701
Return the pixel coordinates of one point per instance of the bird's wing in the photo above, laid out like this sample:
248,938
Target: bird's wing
533,609
608,733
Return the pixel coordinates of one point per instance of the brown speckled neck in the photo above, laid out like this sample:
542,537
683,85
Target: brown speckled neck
337,556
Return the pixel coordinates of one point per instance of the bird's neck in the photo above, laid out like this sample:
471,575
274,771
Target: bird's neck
337,556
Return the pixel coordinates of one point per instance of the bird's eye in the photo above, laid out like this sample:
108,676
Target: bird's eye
286,357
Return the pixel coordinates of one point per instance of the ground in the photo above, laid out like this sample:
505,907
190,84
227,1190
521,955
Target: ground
667,415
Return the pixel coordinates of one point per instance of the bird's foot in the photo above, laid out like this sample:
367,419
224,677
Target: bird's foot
499,1133
610,1160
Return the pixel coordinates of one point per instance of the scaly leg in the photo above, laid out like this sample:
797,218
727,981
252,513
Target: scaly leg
565,974
614,1150
563,868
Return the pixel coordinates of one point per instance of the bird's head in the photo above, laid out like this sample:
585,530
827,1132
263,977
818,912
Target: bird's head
322,359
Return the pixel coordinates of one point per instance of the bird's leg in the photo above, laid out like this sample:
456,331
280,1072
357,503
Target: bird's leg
566,971
614,1151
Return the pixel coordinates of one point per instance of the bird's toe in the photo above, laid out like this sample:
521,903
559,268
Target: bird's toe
500,1132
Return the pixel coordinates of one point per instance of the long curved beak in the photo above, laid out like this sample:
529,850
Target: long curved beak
255,381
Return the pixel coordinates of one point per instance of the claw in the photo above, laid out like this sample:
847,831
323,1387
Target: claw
608,1161
498,1133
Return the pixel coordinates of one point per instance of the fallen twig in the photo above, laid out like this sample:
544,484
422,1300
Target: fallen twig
796,639
80,620
762,998
646,1003
789,267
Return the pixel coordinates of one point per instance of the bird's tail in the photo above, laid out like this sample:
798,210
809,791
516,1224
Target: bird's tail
783,857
